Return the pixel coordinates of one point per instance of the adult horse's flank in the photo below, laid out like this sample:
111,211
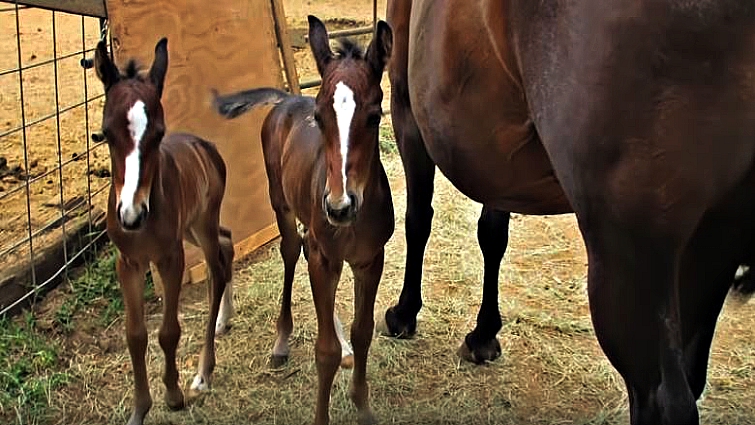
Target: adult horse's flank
323,166
163,189
637,114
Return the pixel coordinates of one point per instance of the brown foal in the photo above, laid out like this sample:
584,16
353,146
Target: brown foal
163,189
323,167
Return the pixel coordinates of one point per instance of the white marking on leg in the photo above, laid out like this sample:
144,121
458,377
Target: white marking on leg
226,310
344,106
345,346
199,383
741,270
137,125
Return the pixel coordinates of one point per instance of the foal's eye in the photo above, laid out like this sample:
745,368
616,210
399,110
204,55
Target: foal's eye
318,119
374,119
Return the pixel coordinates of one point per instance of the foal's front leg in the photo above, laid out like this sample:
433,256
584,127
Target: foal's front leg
131,279
323,276
366,280
171,269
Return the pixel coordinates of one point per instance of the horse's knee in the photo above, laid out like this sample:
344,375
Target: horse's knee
328,353
169,335
492,233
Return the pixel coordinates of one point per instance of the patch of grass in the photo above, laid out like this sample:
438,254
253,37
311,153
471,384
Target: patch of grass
97,285
387,140
28,375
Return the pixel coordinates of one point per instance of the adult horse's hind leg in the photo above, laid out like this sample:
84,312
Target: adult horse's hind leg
226,302
366,281
419,169
207,234
131,279
171,268
631,285
481,344
290,249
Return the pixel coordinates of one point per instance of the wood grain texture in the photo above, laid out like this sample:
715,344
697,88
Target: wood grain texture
227,45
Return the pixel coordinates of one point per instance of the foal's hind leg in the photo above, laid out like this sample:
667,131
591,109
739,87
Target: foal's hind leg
481,344
631,285
171,268
207,234
290,249
226,302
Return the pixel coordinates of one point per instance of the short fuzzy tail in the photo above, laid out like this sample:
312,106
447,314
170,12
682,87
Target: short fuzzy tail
232,105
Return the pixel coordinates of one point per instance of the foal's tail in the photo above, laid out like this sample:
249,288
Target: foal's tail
232,105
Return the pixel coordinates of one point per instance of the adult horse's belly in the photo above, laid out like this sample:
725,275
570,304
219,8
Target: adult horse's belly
472,115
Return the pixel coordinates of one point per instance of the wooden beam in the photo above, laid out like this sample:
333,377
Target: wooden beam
284,43
94,8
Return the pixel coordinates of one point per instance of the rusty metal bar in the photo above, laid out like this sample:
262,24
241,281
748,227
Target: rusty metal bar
94,8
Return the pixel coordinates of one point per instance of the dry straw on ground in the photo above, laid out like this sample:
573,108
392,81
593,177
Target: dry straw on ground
552,370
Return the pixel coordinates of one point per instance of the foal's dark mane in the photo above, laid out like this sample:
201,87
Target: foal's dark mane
349,49
133,68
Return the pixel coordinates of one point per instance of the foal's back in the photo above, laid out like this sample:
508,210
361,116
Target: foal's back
193,176
294,160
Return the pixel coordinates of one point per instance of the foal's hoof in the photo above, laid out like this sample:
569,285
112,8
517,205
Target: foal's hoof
200,384
484,352
347,362
278,360
222,329
174,400
393,326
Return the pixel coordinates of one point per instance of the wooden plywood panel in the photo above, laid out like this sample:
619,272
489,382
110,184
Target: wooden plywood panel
223,44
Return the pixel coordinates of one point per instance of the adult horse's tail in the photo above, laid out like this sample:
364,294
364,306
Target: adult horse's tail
232,105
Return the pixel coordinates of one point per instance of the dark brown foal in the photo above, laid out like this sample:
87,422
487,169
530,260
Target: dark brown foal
163,189
323,166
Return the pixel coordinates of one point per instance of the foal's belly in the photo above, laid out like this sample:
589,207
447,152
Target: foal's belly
472,115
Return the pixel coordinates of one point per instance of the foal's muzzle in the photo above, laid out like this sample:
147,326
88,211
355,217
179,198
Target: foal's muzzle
132,217
340,212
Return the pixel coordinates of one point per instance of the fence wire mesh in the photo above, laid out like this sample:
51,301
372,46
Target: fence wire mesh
52,175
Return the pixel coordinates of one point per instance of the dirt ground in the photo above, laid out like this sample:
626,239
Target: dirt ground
552,370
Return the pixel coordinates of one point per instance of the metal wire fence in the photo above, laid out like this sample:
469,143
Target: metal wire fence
52,175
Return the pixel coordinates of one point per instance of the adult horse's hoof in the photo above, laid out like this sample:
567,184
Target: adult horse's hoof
277,361
392,325
367,418
347,362
484,352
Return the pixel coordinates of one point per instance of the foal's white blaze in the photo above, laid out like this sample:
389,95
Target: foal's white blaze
344,106
137,125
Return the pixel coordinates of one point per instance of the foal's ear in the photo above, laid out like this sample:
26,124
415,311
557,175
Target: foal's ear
379,51
159,65
106,70
319,43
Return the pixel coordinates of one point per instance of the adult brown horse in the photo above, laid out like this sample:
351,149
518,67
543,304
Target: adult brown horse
163,189
323,165
637,114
